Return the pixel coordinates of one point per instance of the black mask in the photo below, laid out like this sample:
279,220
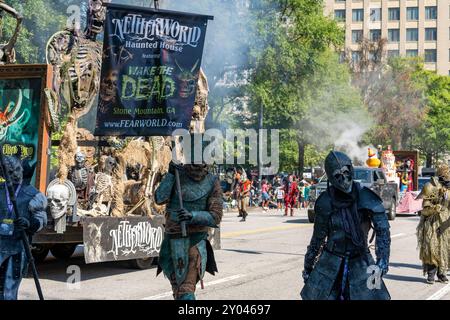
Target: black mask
339,170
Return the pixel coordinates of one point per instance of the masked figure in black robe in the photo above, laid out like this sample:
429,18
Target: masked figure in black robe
338,264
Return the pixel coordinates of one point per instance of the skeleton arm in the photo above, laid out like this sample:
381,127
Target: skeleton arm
4,7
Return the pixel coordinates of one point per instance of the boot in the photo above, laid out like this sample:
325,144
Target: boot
442,278
187,296
431,271
292,212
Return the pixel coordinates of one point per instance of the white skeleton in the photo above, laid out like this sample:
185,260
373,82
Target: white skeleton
7,52
76,60
103,189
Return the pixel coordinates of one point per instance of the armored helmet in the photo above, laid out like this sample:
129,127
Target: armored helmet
339,170
443,172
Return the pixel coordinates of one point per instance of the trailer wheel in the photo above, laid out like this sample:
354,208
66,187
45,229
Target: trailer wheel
141,264
392,212
40,252
63,251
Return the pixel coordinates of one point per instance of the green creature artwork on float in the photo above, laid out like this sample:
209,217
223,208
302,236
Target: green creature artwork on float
20,108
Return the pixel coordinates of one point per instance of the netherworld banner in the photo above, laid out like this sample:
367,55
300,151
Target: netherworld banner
151,63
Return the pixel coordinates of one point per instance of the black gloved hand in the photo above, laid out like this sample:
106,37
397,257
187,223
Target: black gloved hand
173,166
22,223
184,215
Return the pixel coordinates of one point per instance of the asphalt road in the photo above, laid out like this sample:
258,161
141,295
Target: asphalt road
260,259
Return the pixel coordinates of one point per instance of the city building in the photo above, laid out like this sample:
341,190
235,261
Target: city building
411,27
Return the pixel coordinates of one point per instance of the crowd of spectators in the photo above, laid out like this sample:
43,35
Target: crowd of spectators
277,193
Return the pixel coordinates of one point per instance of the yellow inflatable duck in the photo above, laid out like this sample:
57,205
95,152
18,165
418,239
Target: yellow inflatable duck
373,161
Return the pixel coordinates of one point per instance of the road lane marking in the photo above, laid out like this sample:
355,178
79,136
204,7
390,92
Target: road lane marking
262,230
398,235
439,294
207,284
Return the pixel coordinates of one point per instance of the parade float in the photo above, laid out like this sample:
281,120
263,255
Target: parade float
100,183
401,168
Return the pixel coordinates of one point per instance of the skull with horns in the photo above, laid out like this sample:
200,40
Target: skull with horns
188,80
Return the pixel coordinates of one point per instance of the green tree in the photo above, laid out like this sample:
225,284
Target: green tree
433,136
294,35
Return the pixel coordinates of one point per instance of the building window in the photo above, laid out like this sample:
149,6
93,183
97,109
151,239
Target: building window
375,34
412,34
393,53
394,14
430,34
393,35
340,0
412,53
375,14
412,13
431,13
430,55
339,15
356,56
357,15
357,36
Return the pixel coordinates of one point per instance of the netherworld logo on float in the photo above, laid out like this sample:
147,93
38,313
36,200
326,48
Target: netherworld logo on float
138,28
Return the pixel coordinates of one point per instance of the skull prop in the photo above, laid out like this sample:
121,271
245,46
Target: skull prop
60,197
188,81
107,164
96,18
109,86
80,160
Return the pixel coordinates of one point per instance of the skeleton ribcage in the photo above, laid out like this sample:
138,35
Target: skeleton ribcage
103,186
88,53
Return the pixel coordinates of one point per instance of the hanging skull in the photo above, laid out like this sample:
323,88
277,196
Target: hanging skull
188,81
109,86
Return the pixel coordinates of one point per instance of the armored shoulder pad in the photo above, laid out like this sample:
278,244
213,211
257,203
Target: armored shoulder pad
369,200
323,204
30,190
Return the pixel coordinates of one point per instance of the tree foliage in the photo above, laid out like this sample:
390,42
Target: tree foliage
432,138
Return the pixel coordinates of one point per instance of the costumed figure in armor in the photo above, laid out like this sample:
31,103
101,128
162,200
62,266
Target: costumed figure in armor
433,230
338,263
32,218
184,260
